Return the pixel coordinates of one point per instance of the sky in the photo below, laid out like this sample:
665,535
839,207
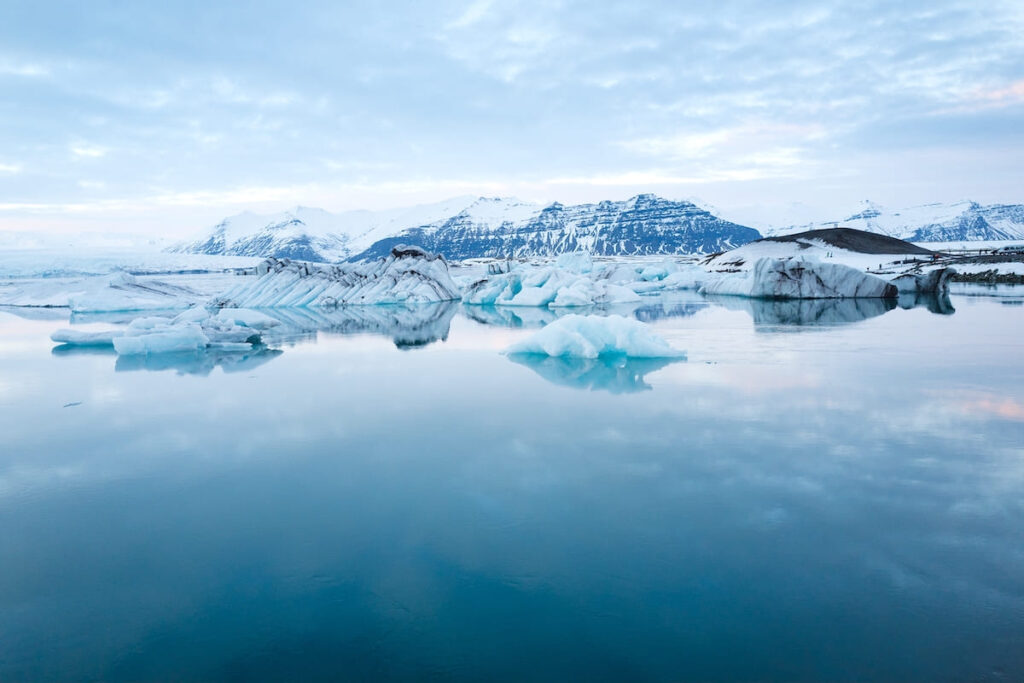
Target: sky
162,118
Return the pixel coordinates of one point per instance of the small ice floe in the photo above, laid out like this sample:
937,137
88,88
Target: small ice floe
930,282
192,330
407,275
594,336
795,278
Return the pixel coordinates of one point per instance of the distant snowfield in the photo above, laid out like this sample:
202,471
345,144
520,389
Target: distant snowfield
75,261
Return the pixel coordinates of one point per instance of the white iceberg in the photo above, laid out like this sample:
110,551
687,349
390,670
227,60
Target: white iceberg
794,278
592,336
162,339
407,275
84,338
191,330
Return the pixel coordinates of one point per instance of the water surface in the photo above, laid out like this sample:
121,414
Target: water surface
821,491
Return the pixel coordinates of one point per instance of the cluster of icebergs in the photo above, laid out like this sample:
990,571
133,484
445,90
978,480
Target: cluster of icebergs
411,277
575,281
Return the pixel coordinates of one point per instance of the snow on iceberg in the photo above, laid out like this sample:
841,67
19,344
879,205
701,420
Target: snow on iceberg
592,336
794,278
407,275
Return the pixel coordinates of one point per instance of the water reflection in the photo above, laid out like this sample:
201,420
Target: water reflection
935,303
408,326
660,311
516,316
199,363
805,312
616,375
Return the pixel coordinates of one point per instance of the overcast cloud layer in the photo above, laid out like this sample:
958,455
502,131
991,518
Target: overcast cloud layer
164,119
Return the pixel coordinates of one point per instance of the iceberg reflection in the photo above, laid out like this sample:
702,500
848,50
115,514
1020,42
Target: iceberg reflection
614,374
408,326
806,312
198,362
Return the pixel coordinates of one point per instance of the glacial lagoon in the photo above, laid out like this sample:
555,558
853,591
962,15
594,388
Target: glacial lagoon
821,490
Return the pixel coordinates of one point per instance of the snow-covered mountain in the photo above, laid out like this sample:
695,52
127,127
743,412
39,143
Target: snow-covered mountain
468,227
643,225
959,221
309,234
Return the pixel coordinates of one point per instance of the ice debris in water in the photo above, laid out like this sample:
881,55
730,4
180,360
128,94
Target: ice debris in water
191,330
794,278
593,336
547,286
575,280
408,275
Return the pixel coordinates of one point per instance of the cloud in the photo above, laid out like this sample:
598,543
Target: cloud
10,169
84,150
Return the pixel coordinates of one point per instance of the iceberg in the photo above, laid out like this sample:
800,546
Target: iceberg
592,336
162,339
407,275
83,338
932,282
794,278
191,330
575,262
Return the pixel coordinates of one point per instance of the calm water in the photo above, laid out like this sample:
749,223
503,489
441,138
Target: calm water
821,491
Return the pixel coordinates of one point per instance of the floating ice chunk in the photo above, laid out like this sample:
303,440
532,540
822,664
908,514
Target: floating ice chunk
82,338
407,275
687,277
248,318
166,339
932,282
594,336
793,278
655,272
575,262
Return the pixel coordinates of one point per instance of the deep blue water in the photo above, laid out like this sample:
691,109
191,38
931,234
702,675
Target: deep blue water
390,499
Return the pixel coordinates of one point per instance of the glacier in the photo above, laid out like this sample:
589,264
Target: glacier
592,336
406,275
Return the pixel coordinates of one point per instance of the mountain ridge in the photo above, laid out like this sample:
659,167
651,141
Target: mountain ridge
483,227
